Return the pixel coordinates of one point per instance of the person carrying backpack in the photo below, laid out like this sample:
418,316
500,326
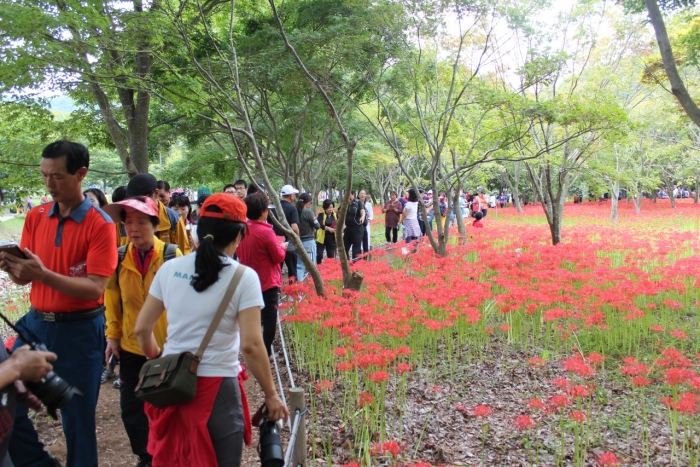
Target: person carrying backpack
125,294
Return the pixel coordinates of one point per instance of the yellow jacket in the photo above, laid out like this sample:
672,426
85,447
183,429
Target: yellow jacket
165,230
125,297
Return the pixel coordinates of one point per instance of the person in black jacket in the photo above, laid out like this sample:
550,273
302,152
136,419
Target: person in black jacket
325,236
354,226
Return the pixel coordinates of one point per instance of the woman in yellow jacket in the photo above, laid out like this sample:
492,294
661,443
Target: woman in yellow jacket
125,294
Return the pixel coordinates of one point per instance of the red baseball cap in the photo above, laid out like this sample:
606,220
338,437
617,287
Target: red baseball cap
145,205
232,207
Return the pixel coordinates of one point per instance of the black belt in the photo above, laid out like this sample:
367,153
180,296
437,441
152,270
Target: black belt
81,315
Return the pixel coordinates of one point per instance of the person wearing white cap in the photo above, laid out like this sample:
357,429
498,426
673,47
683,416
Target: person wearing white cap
288,193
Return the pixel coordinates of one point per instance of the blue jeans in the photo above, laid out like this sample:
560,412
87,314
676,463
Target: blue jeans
310,247
78,345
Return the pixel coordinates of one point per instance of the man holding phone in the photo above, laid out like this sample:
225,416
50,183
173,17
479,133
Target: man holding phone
69,245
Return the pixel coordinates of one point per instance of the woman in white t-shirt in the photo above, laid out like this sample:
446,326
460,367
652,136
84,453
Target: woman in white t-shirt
208,430
410,217
369,217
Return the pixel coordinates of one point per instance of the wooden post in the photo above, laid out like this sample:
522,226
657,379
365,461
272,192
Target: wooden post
297,401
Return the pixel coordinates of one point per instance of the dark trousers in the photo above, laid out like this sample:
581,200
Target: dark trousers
328,247
78,345
290,259
353,237
421,223
388,234
268,316
134,419
365,240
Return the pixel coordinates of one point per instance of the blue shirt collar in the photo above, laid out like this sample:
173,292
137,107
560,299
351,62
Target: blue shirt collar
78,215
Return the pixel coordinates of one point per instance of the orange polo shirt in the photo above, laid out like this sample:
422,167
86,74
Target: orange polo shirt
77,245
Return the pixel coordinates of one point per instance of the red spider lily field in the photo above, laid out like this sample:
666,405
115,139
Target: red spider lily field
511,351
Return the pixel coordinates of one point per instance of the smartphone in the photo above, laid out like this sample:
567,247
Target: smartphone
13,249
113,362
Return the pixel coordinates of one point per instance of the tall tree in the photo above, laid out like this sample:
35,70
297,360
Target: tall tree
100,53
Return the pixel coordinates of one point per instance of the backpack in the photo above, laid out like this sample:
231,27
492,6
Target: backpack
169,252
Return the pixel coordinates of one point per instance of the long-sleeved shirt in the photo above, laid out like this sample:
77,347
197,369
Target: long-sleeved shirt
261,250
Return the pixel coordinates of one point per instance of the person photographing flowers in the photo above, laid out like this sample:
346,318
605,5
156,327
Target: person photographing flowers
210,427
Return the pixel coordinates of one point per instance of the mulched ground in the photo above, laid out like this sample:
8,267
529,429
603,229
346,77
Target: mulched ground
436,424
112,442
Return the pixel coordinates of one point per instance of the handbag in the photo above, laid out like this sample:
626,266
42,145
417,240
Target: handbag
172,379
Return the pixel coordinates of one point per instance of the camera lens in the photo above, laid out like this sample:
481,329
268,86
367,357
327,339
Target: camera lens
271,454
54,392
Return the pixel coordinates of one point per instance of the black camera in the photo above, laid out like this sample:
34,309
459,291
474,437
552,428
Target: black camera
52,390
270,446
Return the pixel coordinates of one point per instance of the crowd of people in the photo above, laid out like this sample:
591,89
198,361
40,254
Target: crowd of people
120,283
102,276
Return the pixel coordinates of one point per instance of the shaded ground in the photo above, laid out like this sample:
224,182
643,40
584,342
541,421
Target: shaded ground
435,422
112,442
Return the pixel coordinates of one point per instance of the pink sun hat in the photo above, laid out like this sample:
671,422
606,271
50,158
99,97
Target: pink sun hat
147,206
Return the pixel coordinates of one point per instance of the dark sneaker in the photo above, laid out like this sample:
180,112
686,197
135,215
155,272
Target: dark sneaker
144,462
107,374
117,384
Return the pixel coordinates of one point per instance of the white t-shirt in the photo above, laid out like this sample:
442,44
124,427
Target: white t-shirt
190,313
369,212
412,206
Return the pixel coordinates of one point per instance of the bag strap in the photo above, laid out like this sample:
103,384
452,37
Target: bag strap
220,312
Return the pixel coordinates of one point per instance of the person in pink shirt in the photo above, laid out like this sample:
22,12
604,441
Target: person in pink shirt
264,252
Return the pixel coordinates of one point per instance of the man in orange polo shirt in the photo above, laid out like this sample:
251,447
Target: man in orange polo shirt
70,252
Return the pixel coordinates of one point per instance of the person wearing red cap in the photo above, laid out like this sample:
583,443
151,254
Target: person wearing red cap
125,294
210,428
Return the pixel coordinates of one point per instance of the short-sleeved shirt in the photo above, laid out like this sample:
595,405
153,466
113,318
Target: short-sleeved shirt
307,222
291,214
190,313
77,245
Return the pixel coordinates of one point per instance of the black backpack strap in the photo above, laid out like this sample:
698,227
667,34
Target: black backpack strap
169,251
121,251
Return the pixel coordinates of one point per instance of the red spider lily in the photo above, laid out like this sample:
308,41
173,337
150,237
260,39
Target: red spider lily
640,382
578,366
674,358
482,411
595,359
419,464
402,368
461,407
561,383
578,391
634,369
504,328
678,334
378,377
323,385
536,404
351,464
523,422
391,448
344,366
536,362
559,401
578,416
365,399
678,376
687,403
340,352
656,328
608,459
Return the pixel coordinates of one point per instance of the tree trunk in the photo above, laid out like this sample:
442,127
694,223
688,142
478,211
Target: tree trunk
458,215
677,87
637,203
615,189
696,196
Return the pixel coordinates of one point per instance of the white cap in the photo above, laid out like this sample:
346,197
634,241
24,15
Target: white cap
288,190
430,192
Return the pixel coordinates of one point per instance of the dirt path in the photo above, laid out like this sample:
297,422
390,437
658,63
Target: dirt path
112,442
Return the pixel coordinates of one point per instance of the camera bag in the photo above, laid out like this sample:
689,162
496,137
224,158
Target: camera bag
172,379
